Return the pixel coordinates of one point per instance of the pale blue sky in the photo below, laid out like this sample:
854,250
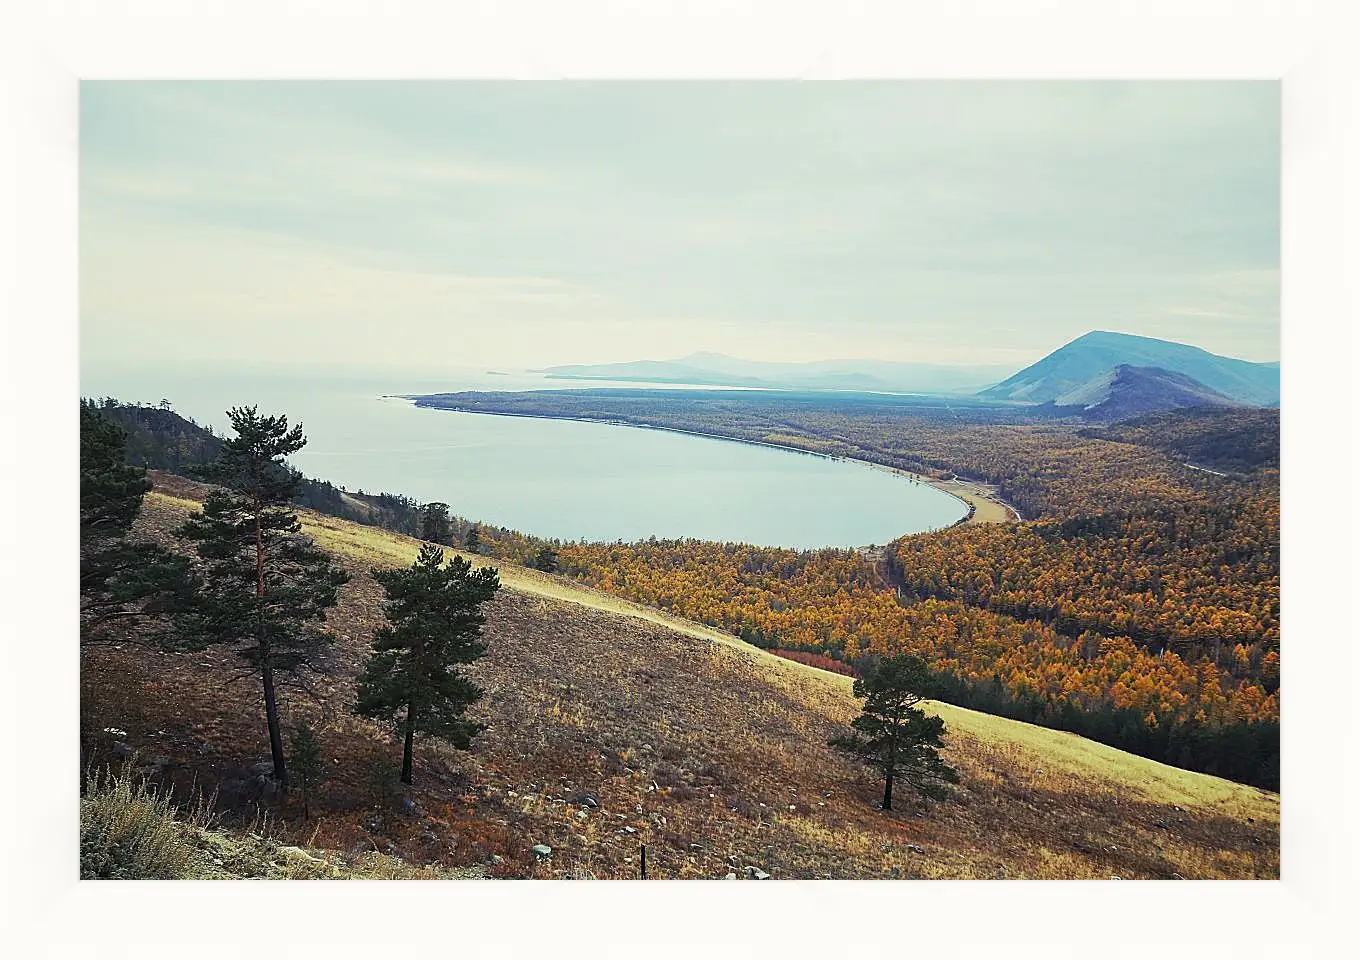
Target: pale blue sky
523,224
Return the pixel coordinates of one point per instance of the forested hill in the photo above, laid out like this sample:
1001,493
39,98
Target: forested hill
1238,440
160,439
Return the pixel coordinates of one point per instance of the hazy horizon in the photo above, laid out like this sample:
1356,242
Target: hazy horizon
421,225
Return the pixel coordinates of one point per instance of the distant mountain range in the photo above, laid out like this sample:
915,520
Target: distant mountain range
1067,371
1102,375
716,369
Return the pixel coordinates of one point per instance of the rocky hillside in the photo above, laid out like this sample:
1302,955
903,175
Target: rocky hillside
613,726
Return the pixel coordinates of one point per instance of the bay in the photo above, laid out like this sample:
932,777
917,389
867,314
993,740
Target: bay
562,479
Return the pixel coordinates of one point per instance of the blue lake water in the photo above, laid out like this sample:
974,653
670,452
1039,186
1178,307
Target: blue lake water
552,478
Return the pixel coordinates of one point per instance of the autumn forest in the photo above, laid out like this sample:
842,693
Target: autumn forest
1138,604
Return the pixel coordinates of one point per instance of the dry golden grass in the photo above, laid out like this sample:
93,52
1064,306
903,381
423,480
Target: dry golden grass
700,746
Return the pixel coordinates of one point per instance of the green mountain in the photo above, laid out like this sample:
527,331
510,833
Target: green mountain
1096,354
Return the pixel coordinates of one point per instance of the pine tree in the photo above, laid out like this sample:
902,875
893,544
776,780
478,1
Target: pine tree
435,623
309,763
894,737
473,541
267,588
434,523
545,559
122,581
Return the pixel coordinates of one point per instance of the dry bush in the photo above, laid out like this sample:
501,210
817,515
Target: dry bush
128,832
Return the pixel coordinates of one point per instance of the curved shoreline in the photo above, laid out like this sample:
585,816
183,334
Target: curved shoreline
980,505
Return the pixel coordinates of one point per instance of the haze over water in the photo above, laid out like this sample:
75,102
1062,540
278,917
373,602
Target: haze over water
551,478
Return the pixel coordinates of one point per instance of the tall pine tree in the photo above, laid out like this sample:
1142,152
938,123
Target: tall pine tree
122,581
435,525
267,587
435,620
892,735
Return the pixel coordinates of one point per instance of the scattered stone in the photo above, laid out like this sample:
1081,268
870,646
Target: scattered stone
734,860
896,873
121,751
914,848
630,829
588,800
297,853
408,805
730,876
792,807
497,859
582,815
1116,878
887,848
1161,824
265,768
646,748
755,873
542,851
699,847
1177,876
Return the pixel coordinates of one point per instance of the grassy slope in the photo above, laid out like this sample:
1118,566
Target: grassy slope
705,746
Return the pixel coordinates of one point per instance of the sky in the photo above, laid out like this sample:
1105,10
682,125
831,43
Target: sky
523,224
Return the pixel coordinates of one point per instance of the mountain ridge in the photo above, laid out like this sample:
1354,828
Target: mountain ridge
1130,391
1096,353
716,369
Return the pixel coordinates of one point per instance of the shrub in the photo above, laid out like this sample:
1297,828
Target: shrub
128,832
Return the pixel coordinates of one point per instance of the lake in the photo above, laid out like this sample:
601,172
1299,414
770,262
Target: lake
552,478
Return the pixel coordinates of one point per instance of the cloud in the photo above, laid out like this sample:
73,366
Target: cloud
785,221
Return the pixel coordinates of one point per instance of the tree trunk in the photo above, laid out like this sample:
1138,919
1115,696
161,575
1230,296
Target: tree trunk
271,707
271,713
887,791
410,741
